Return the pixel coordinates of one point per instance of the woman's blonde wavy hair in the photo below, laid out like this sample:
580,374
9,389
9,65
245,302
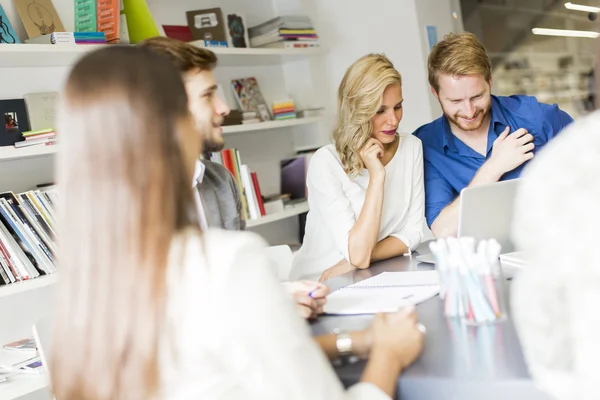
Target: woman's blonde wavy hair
359,97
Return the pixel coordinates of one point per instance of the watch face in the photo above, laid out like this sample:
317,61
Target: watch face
343,343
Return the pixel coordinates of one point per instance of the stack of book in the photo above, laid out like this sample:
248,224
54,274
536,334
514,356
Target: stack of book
247,182
45,137
284,109
27,235
284,32
69,38
250,117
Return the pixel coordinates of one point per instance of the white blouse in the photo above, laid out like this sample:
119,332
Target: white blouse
231,331
555,299
335,203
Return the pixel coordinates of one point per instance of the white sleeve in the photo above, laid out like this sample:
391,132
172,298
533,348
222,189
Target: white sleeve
411,234
326,198
277,339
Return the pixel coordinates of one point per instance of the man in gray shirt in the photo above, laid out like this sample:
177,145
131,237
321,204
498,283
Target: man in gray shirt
217,198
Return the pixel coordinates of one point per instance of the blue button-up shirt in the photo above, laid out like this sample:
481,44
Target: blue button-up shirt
450,164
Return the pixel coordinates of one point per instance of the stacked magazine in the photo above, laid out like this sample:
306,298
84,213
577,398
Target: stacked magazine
27,235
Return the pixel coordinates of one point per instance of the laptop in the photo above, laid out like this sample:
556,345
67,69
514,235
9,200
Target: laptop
486,212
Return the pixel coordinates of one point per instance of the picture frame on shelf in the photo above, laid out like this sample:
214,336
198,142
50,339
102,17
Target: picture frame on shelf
208,25
237,31
14,121
39,17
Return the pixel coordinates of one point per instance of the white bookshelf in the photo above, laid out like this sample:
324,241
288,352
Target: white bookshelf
12,153
286,213
49,55
26,385
259,126
28,285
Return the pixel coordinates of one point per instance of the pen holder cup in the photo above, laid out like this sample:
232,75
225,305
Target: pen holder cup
476,298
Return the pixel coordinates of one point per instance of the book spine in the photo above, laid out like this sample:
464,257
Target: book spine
85,15
248,187
108,17
259,199
235,154
227,161
29,263
6,263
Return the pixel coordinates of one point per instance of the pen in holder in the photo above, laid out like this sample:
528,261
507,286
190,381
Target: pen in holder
471,281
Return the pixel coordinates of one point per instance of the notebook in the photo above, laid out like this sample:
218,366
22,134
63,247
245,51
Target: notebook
386,292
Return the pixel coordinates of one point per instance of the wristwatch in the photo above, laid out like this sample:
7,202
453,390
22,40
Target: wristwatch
343,343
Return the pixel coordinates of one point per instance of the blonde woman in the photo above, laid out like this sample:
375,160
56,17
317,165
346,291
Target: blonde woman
365,192
151,307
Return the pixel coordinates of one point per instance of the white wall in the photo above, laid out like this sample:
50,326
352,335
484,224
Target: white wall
351,29
438,14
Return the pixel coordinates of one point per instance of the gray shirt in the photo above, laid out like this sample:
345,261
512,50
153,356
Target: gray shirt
220,197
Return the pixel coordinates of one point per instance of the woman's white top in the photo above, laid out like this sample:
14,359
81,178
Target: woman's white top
231,331
555,299
335,202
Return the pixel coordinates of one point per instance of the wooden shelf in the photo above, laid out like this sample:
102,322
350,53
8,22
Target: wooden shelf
259,126
30,284
22,385
12,153
286,213
54,55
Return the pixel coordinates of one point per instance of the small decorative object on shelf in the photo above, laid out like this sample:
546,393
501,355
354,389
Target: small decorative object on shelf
250,99
7,33
39,17
140,24
208,27
237,31
284,109
14,115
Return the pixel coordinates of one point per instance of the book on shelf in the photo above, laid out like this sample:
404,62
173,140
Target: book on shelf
285,21
8,36
179,32
27,235
284,109
39,137
208,26
108,19
41,110
246,181
284,32
249,97
69,38
300,44
85,15
39,17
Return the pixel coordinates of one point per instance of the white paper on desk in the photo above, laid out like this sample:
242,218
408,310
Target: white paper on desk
407,278
386,292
